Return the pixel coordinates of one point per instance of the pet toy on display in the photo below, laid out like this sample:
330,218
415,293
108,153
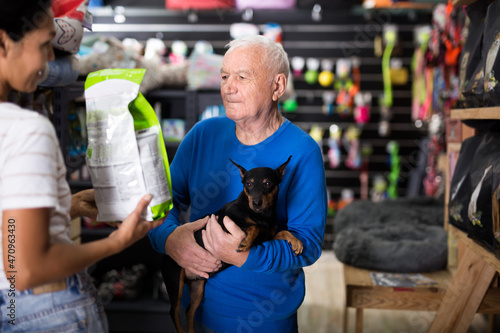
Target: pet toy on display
328,98
393,150
351,144
334,144
311,75
385,102
343,85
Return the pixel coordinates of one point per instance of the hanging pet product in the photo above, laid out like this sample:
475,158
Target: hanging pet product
362,102
178,52
328,102
343,85
297,64
317,132
311,75
390,37
334,144
393,150
422,35
273,31
378,191
366,151
326,77
351,144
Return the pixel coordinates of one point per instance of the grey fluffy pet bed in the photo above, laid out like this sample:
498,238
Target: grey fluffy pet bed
394,236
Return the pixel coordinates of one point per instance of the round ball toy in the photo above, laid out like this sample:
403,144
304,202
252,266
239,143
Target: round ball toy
325,78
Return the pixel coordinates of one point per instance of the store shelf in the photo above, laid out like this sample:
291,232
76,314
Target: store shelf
486,255
476,113
462,2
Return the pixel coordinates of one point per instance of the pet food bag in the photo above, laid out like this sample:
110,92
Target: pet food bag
485,164
472,50
460,187
126,154
491,45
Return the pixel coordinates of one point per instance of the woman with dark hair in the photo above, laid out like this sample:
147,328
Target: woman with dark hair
43,283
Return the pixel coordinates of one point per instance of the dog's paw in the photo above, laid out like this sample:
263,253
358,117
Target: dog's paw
243,246
297,246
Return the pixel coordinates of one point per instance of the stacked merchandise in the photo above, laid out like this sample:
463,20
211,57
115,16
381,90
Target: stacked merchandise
475,186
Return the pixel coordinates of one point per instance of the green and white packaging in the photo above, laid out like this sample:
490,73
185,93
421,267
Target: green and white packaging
126,154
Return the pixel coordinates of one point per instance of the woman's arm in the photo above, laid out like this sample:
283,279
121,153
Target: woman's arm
37,261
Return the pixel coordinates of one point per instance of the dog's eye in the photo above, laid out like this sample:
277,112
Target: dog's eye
249,185
267,184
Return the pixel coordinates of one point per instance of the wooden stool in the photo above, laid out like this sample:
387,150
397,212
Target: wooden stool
362,294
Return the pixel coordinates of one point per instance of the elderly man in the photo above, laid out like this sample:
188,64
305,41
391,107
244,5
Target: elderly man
265,287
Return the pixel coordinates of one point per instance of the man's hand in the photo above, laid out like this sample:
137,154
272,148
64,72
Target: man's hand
224,245
182,247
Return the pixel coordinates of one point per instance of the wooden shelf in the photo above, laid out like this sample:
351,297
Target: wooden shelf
486,255
476,113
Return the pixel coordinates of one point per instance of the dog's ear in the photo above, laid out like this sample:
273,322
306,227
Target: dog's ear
281,168
242,169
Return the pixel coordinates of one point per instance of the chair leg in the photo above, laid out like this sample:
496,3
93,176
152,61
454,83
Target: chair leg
346,316
359,320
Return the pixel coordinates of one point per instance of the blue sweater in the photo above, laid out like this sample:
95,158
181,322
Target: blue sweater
264,294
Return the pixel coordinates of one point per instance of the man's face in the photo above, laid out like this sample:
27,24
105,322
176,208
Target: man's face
246,86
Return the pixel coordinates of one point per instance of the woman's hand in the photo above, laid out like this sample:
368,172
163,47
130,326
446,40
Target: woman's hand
183,248
133,228
83,204
224,245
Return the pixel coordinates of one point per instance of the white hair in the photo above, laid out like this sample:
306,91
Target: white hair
275,58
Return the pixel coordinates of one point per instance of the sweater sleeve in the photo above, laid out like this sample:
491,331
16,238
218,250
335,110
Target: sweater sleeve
306,209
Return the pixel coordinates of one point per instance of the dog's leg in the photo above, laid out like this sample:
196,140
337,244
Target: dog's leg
174,277
196,291
252,234
296,244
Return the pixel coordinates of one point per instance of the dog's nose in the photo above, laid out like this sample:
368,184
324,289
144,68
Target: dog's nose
257,203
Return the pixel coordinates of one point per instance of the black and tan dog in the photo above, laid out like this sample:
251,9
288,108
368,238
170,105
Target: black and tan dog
254,211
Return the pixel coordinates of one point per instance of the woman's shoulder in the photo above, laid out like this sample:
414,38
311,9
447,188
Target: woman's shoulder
19,121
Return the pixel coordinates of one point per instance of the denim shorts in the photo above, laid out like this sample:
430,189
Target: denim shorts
75,309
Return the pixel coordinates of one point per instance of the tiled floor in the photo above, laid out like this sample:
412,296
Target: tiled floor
322,310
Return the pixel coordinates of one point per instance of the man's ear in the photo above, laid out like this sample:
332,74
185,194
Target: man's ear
279,86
